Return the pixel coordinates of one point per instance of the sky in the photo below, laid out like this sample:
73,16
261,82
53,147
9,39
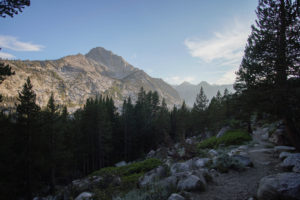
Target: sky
176,40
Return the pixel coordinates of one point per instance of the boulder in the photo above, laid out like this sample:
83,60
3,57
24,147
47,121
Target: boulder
191,183
84,196
175,196
81,185
280,149
283,155
181,152
153,175
189,141
181,167
168,183
292,161
223,131
151,154
243,160
284,186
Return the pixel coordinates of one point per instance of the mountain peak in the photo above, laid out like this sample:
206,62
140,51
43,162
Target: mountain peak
117,67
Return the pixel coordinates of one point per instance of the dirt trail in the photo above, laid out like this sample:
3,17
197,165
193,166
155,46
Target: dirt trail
243,185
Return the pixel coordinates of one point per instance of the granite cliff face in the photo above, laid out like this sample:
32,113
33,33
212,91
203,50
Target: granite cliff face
75,78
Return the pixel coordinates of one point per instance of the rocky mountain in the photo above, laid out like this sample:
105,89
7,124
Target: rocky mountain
188,91
73,79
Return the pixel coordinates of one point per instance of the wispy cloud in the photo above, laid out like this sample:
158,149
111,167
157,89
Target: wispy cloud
175,80
4,55
227,45
227,78
12,43
224,48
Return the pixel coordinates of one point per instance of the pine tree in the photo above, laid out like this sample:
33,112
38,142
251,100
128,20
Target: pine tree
273,49
27,112
199,112
270,70
201,101
52,120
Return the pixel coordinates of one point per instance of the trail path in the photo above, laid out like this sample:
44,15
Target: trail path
243,185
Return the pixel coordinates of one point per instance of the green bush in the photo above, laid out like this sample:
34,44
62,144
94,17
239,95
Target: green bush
233,137
134,168
208,143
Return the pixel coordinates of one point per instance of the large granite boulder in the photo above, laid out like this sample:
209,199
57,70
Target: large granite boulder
84,196
153,175
223,131
292,161
181,167
175,196
284,186
191,183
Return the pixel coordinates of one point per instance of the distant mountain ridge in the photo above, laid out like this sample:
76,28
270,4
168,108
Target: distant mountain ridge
188,91
75,78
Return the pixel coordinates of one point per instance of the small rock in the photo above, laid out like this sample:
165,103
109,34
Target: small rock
84,196
280,149
175,196
212,153
120,164
201,162
189,141
192,183
181,152
279,186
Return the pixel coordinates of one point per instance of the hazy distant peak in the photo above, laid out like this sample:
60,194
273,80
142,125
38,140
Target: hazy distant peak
185,83
203,83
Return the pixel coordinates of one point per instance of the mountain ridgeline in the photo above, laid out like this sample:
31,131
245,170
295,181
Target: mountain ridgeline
75,78
188,91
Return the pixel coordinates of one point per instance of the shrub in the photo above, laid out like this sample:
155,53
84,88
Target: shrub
224,162
208,143
233,137
137,167
129,175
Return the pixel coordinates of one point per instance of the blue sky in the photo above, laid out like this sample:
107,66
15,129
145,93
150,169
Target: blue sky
177,40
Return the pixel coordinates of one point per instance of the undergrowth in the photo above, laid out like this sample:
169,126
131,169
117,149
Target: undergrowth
233,137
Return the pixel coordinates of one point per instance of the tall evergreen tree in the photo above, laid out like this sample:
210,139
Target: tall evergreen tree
52,117
270,70
201,101
27,112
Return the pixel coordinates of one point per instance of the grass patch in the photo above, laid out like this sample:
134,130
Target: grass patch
234,137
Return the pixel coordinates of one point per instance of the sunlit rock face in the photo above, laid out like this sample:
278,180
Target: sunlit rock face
73,79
